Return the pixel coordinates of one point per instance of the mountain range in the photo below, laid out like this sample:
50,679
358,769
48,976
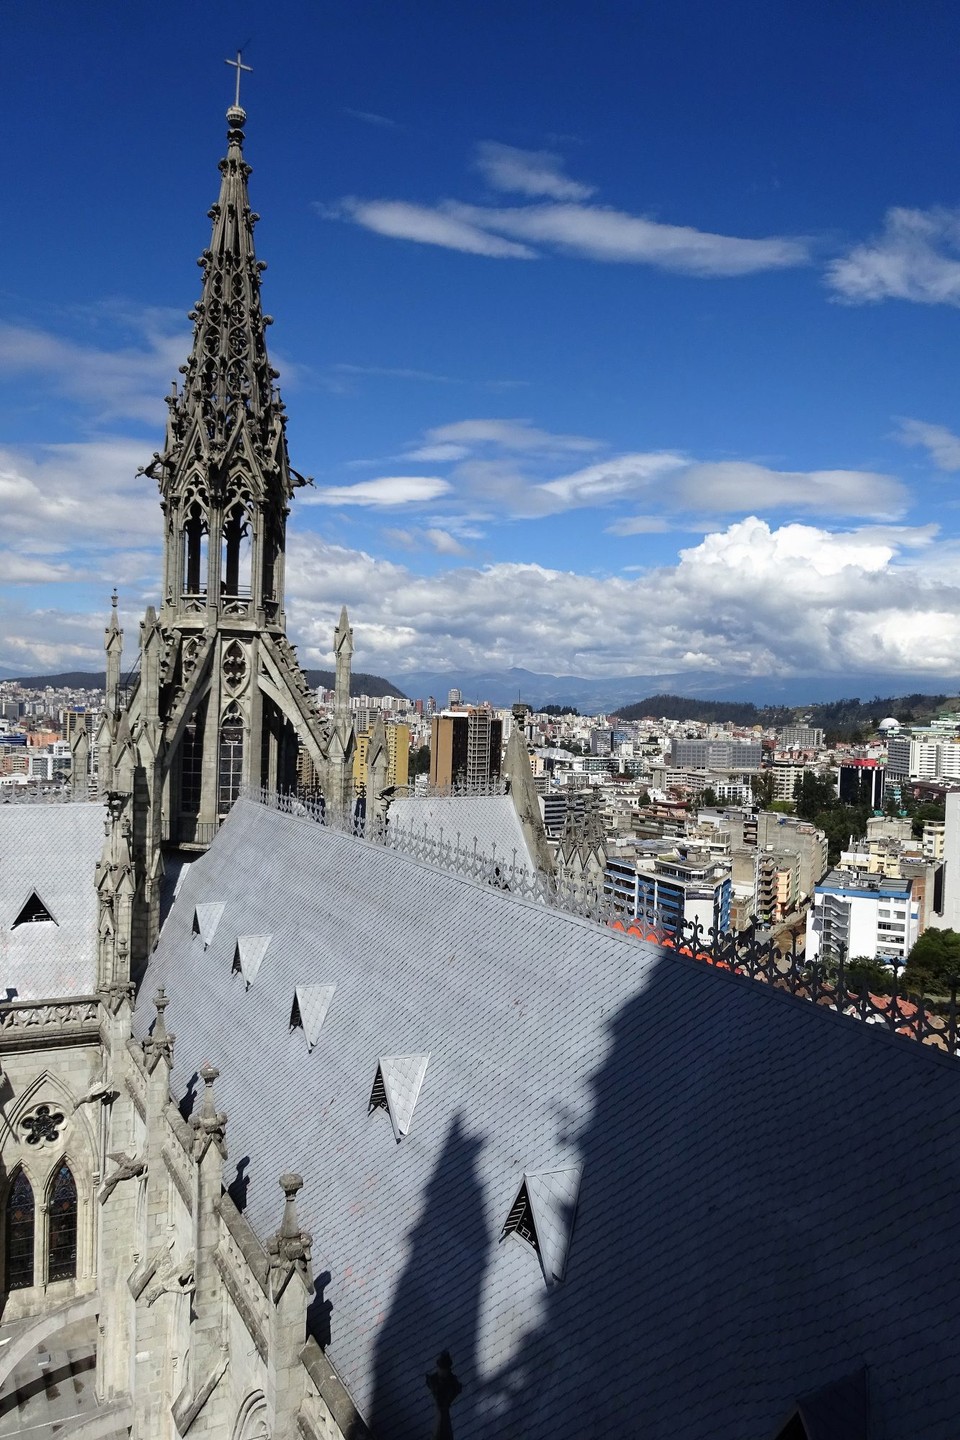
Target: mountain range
594,695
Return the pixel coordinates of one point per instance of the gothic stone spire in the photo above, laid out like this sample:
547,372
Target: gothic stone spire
222,702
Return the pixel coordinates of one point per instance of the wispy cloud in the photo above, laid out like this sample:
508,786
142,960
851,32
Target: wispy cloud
914,258
527,172
444,543
386,490
941,444
370,117
126,383
514,435
568,226
737,486
401,220
597,232
393,372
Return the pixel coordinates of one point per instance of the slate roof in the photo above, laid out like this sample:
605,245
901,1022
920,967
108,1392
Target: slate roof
490,821
52,850
768,1198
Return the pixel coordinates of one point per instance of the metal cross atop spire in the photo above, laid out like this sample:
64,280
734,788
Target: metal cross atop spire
238,66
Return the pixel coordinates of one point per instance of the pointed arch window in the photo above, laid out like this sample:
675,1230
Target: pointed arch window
230,759
20,1222
62,1226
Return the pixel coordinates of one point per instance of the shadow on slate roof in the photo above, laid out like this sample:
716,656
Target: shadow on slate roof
768,1199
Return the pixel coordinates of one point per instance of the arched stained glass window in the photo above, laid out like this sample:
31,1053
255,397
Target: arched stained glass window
19,1233
62,1222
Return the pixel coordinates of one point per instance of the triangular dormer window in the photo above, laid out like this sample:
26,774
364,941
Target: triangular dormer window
32,911
543,1214
309,1010
396,1087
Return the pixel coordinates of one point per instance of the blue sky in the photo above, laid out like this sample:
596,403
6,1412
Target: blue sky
617,338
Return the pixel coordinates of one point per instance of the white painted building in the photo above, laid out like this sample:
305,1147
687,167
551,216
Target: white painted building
870,915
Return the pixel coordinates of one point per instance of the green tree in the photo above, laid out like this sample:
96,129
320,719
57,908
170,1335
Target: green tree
420,760
708,796
933,963
762,786
864,973
814,794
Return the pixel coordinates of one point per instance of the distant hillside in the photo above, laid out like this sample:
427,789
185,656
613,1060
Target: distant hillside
360,682
840,719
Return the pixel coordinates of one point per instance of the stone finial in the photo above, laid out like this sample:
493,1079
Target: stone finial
210,1125
159,1045
444,1387
290,1247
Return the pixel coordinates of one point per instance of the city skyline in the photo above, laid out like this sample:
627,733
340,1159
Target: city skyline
620,344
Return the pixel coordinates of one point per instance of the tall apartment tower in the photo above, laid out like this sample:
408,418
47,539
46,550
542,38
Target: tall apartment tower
220,701
465,748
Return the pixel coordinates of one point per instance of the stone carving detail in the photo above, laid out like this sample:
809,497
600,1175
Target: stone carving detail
129,1167
234,665
43,1125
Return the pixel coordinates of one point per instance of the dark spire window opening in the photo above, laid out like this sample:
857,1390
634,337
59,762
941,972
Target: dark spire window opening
195,551
20,1225
62,1226
237,553
296,1019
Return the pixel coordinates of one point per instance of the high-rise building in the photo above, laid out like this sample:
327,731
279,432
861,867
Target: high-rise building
465,749
398,752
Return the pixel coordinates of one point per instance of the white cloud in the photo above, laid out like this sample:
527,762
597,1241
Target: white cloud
941,444
638,525
76,498
598,232
513,435
385,490
915,258
527,172
736,486
402,221
751,599
593,232
444,543
438,452
123,383
609,479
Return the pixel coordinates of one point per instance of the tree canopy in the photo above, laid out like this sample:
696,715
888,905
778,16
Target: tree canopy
934,963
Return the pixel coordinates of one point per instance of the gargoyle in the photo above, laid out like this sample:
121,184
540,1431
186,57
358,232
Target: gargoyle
128,1168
